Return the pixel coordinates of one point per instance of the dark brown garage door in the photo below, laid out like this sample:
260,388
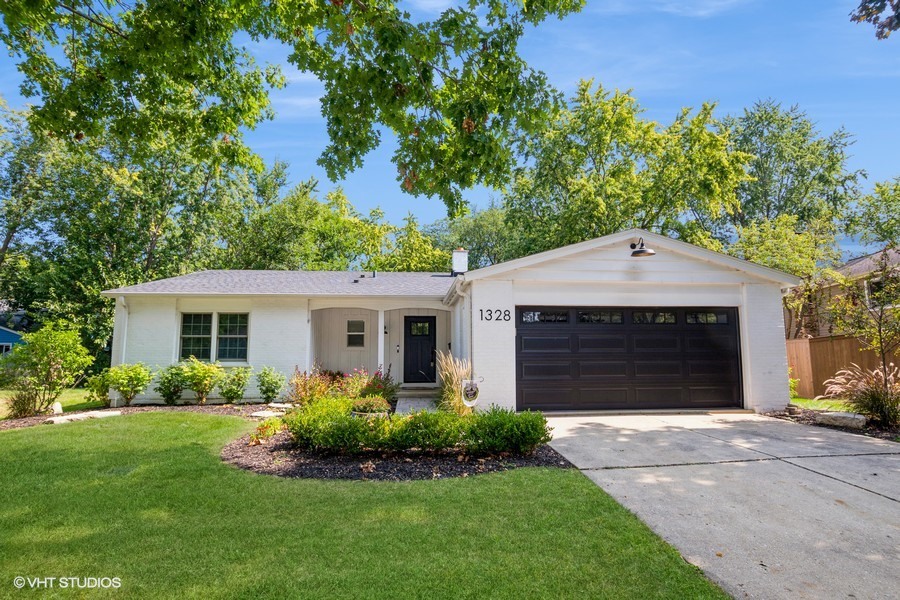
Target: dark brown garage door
626,358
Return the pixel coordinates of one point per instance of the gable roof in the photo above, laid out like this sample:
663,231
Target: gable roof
864,265
297,283
652,240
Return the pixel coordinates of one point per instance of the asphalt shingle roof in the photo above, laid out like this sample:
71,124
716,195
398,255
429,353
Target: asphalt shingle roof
866,264
303,283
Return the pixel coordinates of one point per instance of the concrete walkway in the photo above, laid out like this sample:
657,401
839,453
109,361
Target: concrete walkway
767,508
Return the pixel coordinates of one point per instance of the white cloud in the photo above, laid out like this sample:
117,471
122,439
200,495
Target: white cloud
296,106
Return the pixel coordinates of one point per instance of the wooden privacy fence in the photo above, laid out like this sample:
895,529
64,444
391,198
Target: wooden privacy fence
812,361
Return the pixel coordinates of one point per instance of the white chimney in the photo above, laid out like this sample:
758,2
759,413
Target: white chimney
460,262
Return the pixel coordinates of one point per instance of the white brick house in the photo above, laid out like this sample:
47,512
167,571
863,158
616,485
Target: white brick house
584,327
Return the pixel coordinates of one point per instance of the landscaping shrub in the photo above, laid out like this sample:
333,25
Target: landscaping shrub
353,384
792,385
270,383
371,404
201,378
870,392
97,387
49,361
233,383
382,384
129,380
500,430
170,383
326,425
452,373
23,401
305,388
266,430
426,431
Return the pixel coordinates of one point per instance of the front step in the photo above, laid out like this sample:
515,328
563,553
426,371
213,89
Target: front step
418,393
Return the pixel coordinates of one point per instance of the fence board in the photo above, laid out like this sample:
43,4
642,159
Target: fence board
812,361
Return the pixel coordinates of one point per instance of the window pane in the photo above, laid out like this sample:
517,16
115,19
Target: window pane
652,317
196,335
545,316
232,348
706,318
231,341
600,316
356,340
419,328
356,326
233,324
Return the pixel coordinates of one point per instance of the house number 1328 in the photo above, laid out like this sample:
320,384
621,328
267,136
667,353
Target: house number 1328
494,315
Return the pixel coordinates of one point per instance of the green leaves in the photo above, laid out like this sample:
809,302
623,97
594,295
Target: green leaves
454,90
601,168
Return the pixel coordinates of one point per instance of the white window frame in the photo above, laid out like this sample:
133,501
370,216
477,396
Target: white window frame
362,333
5,348
214,337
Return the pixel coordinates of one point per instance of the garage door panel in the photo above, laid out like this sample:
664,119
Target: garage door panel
710,343
546,343
711,397
658,397
601,343
542,371
655,343
610,368
716,368
588,358
614,398
658,368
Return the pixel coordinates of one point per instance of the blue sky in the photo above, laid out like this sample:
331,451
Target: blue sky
671,53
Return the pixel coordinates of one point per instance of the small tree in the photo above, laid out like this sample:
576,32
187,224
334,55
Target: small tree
233,383
270,383
869,312
129,380
201,377
50,360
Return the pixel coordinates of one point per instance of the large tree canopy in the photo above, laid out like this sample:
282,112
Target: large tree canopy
454,89
600,168
794,170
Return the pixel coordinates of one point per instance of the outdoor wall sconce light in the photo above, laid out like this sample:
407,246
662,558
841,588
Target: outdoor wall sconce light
639,250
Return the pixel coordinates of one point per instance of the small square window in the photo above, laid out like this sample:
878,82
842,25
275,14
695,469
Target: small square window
706,318
600,316
545,316
356,334
419,328
652,317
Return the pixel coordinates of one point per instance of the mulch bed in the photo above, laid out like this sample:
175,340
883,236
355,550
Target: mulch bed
278,456
808,417
239,410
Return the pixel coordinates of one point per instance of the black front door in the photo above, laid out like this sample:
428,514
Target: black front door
419,350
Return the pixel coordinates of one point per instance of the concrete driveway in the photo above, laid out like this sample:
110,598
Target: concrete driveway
767,508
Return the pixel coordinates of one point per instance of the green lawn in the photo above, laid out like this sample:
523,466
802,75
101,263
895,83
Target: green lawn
821,404
145,498
71,400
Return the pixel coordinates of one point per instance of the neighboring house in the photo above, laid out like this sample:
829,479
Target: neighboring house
8,339
584,327
816,322
816,348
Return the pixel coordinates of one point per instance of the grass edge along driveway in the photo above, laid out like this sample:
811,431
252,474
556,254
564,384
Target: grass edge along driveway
145,498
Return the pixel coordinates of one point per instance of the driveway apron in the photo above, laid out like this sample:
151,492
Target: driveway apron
767,508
